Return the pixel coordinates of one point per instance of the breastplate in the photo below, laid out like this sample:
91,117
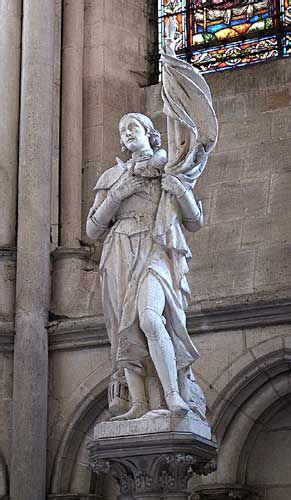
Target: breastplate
145,202
137,213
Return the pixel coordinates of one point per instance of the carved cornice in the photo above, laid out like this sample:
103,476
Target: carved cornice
239,317
77,333
90,332
84,253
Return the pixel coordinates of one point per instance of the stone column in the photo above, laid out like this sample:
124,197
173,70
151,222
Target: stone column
71,128
69,260
30,390
10,38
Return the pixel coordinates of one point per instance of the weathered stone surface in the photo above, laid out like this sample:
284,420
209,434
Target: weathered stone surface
244,80
271,228
10,40
236,200
211,280
272,449
7,283
280,202
28,463
75,284
71,124
273,269
153,424
212,346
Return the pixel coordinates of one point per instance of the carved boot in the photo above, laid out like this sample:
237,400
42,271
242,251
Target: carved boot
136,388
138,409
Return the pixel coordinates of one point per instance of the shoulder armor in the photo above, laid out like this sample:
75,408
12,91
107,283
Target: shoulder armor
110,176
161,156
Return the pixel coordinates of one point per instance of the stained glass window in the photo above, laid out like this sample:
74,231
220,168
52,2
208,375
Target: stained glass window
219,34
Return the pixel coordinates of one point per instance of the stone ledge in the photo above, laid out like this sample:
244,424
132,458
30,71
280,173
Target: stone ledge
240,316
163,423
61,253
151,444
90,332
77,333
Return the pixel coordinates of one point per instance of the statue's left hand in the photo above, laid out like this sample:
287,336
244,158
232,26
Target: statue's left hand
172,185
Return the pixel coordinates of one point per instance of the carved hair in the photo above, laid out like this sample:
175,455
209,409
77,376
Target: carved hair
154,136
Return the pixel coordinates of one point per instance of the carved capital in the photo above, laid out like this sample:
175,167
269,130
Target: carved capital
161,474
164,473
100,466
153,464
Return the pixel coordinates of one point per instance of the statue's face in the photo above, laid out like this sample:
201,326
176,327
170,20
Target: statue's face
133,135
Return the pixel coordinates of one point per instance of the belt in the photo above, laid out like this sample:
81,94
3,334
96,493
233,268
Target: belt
137,217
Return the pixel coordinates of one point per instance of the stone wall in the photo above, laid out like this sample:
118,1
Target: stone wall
242,262
243,255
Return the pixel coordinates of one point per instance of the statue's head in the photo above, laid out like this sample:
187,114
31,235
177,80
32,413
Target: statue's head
137,133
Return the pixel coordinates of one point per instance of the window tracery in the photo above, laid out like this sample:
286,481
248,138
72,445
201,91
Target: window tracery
215,35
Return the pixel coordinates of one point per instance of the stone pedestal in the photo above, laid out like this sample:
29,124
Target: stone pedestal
154,465
154,422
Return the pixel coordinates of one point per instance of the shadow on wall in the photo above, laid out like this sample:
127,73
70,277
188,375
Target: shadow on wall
251,420
4,479
70,472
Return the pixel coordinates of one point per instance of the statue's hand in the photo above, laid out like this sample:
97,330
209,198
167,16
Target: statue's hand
128,187
171,28
172,185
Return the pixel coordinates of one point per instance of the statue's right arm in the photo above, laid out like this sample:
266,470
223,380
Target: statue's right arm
101,214
106,205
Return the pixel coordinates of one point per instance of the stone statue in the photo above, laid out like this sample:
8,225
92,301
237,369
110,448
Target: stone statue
142,207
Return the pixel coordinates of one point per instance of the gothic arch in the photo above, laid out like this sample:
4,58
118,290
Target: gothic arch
254,393
268,415
81,420
252,372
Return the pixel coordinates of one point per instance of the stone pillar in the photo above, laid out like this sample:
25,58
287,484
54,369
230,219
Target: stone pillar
70,261
71,124
10,38
30,390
